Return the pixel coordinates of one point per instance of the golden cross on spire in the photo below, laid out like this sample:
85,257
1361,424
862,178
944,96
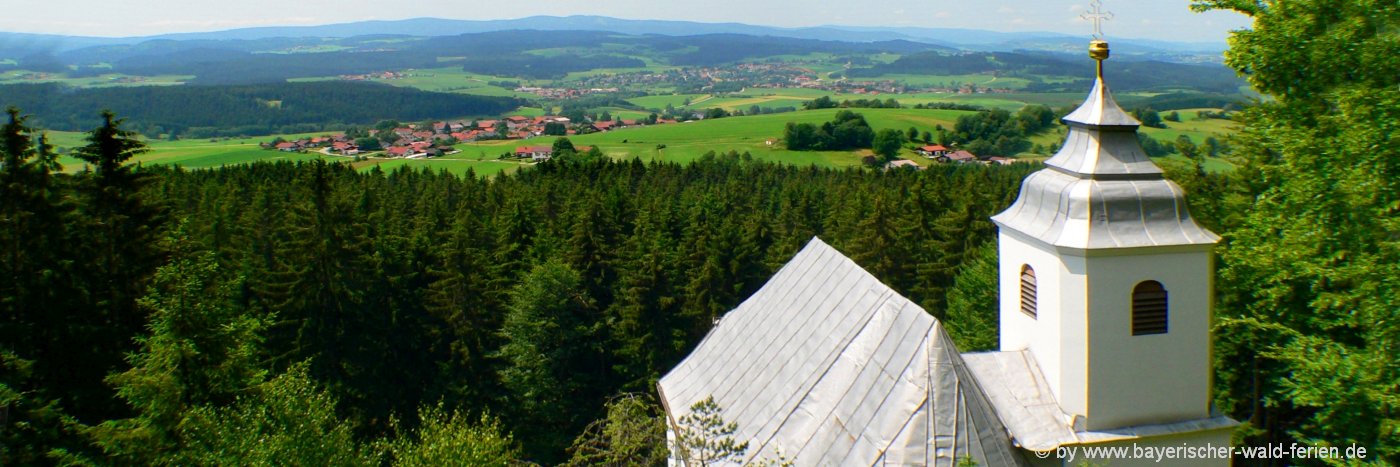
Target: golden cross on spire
1097,16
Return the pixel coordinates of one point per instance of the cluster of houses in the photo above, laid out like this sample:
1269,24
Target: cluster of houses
941,154
520,127
337,144
416,145
422,141
563,93
373,76
944,155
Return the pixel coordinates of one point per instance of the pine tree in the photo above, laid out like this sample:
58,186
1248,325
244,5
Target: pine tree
643,320
202,350
547,357
33,227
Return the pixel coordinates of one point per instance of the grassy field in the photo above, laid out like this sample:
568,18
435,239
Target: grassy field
486,168
1192,127
682,142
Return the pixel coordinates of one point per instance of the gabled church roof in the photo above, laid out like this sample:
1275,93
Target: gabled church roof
829,366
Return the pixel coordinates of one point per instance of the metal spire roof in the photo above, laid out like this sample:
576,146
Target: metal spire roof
1101,190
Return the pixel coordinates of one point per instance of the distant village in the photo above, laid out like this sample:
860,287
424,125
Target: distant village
437,139
723,80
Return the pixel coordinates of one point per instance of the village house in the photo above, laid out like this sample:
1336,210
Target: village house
902,164
535,153
933,151
959,156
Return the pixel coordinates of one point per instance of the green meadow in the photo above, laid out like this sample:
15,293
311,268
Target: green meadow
487,168
685,142
681,142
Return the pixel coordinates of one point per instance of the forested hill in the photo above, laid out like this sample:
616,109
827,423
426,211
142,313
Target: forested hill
244,109
501,52
1128,75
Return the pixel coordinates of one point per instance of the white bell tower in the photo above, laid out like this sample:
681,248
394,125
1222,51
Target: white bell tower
1106,279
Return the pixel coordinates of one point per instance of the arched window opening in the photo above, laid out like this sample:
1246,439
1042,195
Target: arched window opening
1149,309
1028,302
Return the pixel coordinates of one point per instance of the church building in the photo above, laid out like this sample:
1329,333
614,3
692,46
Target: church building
1105,308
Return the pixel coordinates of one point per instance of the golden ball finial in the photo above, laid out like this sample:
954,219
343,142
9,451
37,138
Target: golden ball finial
1098,50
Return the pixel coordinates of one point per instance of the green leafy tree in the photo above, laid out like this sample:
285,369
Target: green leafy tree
1149,118
453,439
289,420
555,129
1186,147
887,144
823,102
368,144
562,146
1306,340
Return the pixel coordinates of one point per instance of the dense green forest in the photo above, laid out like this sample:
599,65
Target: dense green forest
310,314
205,111
531,299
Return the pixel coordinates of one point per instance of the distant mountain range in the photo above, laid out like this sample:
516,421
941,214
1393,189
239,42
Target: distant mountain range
965,39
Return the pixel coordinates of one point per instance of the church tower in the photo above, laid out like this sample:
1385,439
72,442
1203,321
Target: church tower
1106,279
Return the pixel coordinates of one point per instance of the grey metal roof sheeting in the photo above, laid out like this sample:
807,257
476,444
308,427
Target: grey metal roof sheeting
1101,190
829,366
1019,393
1101,109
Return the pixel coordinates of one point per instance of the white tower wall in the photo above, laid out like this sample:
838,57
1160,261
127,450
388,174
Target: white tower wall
1159,378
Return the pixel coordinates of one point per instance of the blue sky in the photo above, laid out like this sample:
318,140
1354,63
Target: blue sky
1152,19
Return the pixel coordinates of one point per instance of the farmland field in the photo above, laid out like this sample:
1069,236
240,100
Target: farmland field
682,142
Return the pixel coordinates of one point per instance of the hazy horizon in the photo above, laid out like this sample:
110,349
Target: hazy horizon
1172,21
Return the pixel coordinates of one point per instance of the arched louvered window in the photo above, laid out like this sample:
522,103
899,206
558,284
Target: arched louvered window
1149,309
1028,290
